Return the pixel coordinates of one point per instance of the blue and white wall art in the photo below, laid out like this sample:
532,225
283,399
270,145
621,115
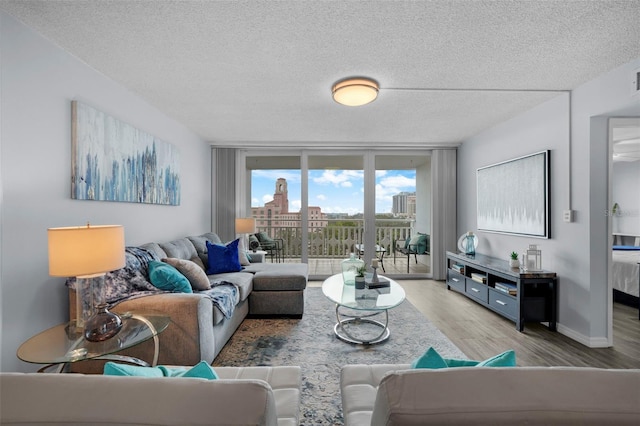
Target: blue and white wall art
113,161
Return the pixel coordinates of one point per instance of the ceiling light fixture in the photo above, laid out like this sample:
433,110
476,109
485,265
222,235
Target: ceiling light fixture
355,91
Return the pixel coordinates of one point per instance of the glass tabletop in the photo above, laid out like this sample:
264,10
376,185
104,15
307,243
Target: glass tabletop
63,343
378,299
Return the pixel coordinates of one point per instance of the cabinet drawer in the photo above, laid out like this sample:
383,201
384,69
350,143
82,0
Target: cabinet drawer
477,290
455,280
503,303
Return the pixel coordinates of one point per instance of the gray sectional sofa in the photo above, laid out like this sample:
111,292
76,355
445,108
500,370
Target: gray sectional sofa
198,329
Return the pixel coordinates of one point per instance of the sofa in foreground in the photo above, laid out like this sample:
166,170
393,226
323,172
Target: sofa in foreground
266,396
395,394
200,325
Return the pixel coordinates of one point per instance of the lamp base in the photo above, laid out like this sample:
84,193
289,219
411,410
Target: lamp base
103,325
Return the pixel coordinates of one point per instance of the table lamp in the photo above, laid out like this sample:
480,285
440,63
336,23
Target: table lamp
87,252
245,225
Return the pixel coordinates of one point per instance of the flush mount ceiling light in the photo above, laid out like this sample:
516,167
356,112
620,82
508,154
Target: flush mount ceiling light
355,91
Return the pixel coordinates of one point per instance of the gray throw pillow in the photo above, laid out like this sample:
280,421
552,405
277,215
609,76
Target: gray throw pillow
194,273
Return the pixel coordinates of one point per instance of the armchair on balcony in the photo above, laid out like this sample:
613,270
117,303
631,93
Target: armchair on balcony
273,246
418,244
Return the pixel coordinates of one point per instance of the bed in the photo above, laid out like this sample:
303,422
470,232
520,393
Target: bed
626,274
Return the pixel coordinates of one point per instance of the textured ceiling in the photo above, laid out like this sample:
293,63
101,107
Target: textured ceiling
259,73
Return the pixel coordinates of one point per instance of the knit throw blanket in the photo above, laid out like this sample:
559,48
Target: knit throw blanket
132,282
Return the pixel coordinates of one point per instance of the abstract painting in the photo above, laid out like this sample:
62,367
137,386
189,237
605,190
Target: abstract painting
513,196
114,161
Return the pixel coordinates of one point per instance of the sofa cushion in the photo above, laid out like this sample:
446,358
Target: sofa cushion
279,277
155,249
242,280
200,244
181,248
166,277
201,370
194,273
223,258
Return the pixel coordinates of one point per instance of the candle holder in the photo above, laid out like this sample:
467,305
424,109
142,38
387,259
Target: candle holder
374,277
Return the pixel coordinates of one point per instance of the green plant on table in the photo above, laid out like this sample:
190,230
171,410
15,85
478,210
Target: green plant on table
514,255
361,270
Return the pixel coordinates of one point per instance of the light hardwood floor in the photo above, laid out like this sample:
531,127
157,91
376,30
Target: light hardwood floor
480,333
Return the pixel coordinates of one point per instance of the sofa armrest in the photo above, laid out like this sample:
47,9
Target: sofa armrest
186,341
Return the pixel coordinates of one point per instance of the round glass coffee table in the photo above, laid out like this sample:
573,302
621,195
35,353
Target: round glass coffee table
63,344
358,306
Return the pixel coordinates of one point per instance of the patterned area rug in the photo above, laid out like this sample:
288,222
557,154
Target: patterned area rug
310,343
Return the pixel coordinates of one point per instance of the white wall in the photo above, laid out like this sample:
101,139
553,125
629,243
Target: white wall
576,251
38,83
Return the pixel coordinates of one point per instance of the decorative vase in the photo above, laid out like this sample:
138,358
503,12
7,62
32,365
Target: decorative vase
469,245
359,283
514,263
350,268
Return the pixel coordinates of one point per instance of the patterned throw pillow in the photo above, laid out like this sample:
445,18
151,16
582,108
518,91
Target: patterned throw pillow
223,258
194,273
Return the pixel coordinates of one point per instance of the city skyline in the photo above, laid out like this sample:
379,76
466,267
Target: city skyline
334,191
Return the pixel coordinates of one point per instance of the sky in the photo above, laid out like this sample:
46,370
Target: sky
335,191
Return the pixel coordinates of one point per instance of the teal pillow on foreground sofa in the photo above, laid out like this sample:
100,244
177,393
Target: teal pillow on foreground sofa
432,359
201,370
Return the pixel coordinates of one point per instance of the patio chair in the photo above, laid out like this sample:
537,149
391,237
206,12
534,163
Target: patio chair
418,244
273,246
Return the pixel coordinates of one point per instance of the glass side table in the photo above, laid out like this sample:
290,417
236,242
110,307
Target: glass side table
63,344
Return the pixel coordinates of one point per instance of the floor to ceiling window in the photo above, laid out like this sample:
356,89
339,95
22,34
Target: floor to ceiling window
323,206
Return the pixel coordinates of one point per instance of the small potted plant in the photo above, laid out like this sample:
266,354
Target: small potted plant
513,261
360,276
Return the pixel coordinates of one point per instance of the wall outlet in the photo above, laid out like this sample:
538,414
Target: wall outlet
567,215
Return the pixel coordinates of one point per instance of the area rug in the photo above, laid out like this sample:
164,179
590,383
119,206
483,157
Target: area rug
311,344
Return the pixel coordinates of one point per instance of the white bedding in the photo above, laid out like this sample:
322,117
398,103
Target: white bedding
626,271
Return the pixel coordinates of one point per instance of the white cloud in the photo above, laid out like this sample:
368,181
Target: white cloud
321,197
399,183
338,177
266,198
295,205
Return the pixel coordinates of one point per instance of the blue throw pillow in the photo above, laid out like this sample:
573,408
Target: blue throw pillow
201,370
223,258
432,359
166,277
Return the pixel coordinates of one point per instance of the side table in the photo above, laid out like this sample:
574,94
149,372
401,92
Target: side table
63,344
257,256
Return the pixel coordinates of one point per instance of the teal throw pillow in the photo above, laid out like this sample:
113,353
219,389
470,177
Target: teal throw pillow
505,359
223,258
201,370
433,360
166,277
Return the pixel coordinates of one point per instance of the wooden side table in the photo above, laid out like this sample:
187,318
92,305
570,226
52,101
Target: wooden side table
64,344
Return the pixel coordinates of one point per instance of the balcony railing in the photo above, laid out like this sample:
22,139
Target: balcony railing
338,238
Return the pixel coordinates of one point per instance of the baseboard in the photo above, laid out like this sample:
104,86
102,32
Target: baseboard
591,342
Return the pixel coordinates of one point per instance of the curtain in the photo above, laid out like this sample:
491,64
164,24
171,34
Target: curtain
444,213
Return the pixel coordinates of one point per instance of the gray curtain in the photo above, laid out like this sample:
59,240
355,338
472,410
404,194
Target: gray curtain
224,192
443,226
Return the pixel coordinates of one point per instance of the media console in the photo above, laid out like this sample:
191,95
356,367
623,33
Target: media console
520,296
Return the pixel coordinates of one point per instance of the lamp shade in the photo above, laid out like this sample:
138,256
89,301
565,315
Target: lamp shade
355,91
245,225
85,250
